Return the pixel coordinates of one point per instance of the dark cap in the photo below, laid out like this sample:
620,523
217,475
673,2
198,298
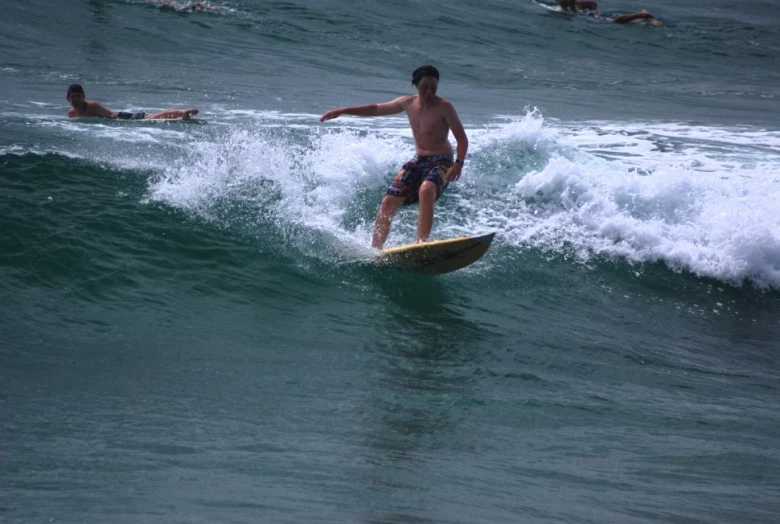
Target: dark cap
426,70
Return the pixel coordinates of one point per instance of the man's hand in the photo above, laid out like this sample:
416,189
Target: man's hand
330,115
453,173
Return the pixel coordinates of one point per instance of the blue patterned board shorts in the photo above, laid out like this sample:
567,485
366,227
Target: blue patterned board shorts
122,115
418,170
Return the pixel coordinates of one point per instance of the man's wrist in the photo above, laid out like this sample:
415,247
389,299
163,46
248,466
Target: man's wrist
459,161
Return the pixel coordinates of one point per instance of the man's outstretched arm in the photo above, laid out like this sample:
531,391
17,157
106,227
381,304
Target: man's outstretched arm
386,108
624,19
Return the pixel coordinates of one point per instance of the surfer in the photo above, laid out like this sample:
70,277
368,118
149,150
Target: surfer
589,8
424,178
81,107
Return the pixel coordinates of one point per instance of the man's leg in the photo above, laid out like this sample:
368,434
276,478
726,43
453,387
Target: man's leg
174,113
425,219
387,208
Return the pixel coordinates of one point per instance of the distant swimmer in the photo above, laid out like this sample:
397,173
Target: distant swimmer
81,107
589,8
183,6
425,177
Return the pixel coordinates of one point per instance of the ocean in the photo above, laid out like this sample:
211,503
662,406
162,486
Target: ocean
185,334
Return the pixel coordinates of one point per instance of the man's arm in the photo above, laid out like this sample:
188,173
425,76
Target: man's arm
387,108
453,121
630,17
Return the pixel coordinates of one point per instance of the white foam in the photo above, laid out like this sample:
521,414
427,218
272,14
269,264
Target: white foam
309,178
706,205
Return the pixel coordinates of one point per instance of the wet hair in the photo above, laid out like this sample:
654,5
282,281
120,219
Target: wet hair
426,70
75,88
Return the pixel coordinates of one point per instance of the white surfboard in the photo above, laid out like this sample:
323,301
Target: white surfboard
163,120
435,258
97,120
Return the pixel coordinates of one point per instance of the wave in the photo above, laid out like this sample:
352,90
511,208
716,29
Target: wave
698,199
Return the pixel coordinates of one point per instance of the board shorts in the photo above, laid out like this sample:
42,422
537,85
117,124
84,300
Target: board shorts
418,170
131,116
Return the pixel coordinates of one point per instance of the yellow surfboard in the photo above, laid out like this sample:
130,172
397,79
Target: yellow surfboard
435,258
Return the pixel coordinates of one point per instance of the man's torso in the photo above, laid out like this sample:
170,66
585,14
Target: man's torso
91,108
429,127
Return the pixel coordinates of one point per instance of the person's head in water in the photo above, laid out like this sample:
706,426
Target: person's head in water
426,80
578,5
567,5
76,95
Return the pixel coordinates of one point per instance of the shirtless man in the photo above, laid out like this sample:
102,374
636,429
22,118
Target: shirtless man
82,107
425,177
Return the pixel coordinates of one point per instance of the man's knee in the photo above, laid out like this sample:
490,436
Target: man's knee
428,191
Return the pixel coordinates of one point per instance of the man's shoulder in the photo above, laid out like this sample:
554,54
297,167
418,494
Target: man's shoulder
402,101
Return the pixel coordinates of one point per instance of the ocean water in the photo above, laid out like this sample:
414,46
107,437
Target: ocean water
184,336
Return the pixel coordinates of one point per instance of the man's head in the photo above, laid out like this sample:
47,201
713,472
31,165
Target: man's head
423,71
75,95
426,80
567,5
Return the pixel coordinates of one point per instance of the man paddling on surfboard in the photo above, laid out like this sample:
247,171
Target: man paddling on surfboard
425,177
590,8
81,107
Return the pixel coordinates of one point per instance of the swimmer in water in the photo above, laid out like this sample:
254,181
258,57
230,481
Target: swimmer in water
589,8
81,107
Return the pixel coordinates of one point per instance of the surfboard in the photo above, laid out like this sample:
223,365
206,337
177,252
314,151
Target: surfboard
437,257
94,120
164,121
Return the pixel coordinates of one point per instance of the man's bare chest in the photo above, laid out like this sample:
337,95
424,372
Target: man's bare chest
427,121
